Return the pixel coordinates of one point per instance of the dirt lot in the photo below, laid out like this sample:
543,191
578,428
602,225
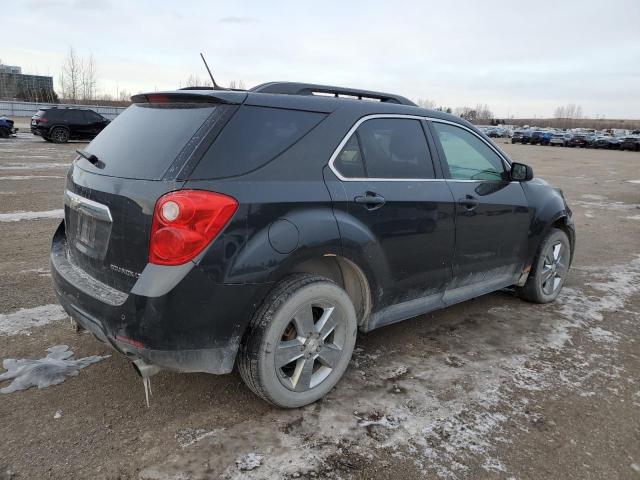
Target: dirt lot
491,388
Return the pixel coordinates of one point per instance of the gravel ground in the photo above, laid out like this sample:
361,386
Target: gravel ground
491,388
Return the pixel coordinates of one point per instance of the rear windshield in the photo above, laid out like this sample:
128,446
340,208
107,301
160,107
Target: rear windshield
145,139
253,137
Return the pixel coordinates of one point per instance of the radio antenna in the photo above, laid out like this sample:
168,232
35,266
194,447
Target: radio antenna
215,85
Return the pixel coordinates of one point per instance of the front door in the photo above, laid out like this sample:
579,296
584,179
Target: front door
491,213
394,214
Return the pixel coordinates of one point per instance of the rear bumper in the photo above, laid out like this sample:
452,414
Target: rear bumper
195,327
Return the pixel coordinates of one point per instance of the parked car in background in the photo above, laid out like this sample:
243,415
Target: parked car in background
61,124
579,140
614,142
600,141
536,137
631,142
6,127
558,139
181,249
521,136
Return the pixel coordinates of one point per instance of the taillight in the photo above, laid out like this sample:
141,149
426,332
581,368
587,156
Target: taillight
41,120
185,222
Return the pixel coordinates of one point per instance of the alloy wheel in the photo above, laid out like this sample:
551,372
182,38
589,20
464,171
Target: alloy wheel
310,346
554,267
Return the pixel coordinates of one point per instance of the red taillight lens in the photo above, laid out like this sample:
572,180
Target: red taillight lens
41,120
185,222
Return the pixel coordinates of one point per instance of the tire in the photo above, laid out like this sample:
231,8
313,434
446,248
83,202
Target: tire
59,135
315,366
47,139
549,269
4,133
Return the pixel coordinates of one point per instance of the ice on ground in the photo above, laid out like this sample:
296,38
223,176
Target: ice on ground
21,321
634,217
600,335
593,197
18,216
57,415
633,181
29,177
33,166
41,272
248,462
43,372
189,436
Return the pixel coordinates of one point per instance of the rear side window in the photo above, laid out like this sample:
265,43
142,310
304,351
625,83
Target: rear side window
144,140
387,148
253,137
75,116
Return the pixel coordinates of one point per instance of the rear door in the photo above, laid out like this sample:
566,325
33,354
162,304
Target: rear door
393,193
95,122
77,123
491,213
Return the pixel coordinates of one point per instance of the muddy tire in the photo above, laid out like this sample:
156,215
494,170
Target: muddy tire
300,341
549,270
59,135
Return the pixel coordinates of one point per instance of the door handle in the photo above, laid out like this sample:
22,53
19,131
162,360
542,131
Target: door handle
469,202
370,200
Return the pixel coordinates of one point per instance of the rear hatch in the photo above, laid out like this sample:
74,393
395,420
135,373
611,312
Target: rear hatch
137,158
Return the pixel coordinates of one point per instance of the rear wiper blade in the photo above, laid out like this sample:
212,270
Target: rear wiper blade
91,157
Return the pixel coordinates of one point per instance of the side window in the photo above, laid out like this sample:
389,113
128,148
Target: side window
395,148
468,157
349,161
91,116
74,116
253,137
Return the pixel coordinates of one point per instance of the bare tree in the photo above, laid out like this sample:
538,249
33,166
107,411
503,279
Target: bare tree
426,103
236,85
88,81
195,81
70,75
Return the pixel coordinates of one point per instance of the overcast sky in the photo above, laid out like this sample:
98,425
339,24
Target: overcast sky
520,58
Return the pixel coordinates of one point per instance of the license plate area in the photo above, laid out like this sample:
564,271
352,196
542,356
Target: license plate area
88,225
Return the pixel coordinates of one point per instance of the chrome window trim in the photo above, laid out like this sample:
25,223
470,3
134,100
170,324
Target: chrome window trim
360,121
97,210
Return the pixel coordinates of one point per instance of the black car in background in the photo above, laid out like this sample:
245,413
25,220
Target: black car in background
61,124
266,228
537,137
631,142
521,136
579,140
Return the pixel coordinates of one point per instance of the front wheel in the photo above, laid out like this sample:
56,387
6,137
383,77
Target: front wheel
300,342
549,270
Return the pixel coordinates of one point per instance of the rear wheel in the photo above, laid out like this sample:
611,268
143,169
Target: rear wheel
4,133
59,135
300,341
549,270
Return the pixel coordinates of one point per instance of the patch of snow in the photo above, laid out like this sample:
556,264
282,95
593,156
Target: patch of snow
18,216
30,177
44,372
600,335
590,196
21,321
633,181
41,272
189,436
250,461
58,414
33,166
634,217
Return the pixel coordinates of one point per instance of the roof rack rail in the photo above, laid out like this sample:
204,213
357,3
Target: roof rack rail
293,88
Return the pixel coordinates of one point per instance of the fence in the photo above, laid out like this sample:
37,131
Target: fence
28,109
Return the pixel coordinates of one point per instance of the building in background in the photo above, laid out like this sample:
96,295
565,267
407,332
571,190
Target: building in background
14,85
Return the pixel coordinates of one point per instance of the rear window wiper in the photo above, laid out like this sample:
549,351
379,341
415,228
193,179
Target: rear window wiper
90,157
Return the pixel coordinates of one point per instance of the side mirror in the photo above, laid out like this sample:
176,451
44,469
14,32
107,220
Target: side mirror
521,172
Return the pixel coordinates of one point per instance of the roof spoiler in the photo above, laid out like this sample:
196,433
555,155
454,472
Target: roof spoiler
292,88
184,96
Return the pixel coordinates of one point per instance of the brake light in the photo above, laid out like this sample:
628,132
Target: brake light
158,98
41,120
185,222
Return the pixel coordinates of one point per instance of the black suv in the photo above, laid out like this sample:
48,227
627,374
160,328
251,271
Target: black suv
60,124
205,229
